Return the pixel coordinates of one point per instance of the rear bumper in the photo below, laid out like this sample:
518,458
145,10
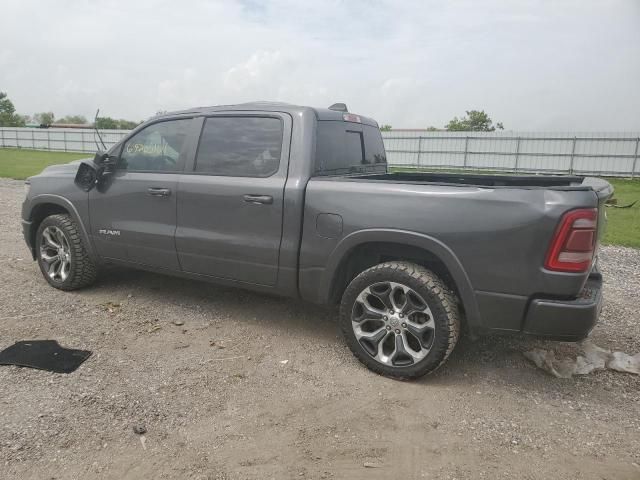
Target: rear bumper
568,320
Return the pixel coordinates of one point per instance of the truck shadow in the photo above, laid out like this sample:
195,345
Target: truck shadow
228,303
496,358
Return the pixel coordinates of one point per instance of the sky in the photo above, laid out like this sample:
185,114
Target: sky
534,65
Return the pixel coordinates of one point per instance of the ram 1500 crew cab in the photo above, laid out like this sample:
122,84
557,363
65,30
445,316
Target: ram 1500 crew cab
299,201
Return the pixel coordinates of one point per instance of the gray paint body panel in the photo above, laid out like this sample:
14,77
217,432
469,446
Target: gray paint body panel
499,235
492,240
129,224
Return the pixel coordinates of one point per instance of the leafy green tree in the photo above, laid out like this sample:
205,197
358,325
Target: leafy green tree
75,119
385,128
108,123
44,118
127,124
8,115
432,129
475,121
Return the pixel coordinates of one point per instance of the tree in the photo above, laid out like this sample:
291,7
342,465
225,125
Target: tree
108,123
385,128
475,121
127,124
44,118
8,115
74,119
432,129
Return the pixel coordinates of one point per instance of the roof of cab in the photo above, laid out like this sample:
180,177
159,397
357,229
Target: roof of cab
321,114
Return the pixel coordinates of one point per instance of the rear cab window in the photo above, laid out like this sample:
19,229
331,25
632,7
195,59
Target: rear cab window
344,148
240,146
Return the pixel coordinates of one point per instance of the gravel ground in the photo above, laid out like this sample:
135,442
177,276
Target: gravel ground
203,369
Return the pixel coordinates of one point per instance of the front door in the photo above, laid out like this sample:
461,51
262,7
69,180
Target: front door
133,216
230,199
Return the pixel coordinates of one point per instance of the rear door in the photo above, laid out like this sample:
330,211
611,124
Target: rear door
133,216
230,198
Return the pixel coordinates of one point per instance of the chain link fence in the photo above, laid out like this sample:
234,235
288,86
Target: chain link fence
613,154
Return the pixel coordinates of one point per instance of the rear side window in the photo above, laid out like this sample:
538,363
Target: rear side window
345,147
240,146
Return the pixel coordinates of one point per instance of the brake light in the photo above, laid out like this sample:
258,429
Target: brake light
351,117
574,242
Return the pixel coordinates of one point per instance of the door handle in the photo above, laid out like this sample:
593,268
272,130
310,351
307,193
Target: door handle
259,199
159,192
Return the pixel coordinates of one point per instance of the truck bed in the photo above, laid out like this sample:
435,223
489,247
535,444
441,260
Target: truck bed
562,182
497,226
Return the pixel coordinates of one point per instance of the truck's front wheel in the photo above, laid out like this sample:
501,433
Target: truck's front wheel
400,319
61,255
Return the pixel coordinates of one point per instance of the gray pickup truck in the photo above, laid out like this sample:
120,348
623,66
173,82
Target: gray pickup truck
298,201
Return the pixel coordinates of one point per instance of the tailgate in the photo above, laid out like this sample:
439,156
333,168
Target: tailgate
604,191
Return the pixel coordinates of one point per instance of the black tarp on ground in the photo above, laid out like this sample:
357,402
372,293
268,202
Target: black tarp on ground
43,355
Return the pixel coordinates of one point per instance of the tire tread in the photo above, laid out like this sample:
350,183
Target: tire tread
85,271
448,303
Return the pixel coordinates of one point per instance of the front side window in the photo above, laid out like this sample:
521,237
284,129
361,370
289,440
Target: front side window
157,148
240,146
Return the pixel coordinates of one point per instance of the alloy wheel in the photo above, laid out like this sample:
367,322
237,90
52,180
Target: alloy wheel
393,323
55,253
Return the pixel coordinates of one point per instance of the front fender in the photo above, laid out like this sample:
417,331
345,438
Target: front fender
425,242
52,199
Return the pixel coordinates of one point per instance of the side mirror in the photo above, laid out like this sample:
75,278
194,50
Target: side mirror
99,157
108,164
87,175
94,172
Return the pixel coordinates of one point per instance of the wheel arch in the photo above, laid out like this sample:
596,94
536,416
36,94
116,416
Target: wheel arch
43,206
363,249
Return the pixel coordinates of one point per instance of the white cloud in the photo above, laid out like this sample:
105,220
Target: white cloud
260,70
535,64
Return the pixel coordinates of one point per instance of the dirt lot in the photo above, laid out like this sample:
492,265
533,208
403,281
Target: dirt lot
219,401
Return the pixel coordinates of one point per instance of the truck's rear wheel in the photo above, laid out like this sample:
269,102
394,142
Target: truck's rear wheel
400,319
61,255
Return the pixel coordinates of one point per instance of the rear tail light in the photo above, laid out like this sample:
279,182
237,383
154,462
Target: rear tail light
574,242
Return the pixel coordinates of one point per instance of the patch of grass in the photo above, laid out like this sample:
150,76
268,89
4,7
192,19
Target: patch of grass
623,227
20,163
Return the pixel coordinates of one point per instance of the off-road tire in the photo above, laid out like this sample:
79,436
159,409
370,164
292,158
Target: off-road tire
82,271
442,302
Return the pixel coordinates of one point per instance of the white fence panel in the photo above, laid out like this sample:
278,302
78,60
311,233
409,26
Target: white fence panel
580,153
58,139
